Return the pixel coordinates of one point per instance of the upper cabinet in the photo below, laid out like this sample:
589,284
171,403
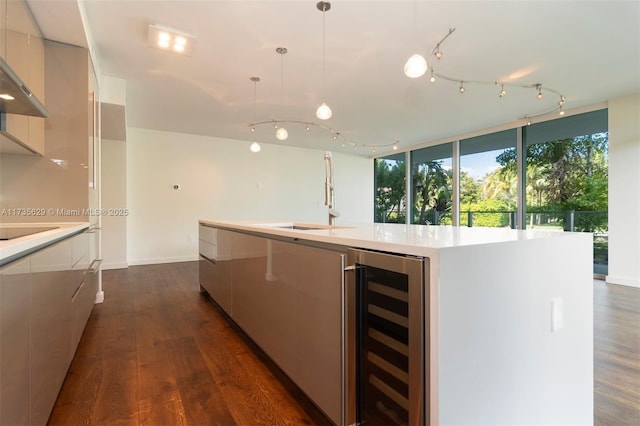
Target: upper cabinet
22,48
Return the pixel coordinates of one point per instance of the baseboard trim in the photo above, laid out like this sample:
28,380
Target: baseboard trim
114,266
163,260
622,281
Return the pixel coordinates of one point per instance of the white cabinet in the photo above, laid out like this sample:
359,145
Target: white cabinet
25,54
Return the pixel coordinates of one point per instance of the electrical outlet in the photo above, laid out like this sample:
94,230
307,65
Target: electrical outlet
557,313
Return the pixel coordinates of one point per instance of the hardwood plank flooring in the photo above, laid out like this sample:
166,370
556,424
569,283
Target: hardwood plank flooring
616,334
157,352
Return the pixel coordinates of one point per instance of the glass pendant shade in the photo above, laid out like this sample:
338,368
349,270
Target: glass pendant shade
255,147
415,67
282,134
323,112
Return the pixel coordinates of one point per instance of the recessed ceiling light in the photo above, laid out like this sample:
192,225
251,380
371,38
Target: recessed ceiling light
171,40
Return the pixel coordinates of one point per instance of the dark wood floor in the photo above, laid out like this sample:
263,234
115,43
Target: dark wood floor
156,352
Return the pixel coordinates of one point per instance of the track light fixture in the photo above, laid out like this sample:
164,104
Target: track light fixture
437,54
502,91
334,134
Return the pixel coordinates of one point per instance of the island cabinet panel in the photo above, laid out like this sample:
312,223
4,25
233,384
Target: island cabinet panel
215,265
288,298
50,326
319,352
264,296
15,287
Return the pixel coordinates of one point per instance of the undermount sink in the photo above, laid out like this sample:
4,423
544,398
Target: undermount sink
297,226
302,227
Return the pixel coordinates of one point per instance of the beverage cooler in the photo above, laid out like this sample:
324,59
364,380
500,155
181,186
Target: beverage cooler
384,342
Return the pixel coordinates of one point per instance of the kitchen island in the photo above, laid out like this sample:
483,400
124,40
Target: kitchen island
507,315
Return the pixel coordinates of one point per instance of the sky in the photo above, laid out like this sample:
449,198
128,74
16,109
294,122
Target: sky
478,165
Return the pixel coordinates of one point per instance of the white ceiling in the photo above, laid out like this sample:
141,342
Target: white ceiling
587,50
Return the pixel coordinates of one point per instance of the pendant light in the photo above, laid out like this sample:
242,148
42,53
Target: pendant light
416,65
281,132
323,112
255,146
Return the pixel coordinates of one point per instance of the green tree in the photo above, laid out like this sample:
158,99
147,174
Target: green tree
432,185
470,188
390,191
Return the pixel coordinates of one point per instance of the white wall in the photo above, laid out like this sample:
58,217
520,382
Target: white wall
114,196
624,191
223,179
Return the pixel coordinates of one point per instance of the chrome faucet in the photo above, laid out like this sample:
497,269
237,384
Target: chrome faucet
329,199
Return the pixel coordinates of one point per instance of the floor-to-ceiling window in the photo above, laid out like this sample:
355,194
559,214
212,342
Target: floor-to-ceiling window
390,189
567,178
564,175
489,180
431,179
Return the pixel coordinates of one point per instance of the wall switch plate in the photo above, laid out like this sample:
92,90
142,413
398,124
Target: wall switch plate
557,313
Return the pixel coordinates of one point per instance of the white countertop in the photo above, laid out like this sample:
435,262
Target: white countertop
17,247
418,240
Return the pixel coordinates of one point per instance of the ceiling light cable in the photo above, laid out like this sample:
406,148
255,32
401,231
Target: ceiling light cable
255,146
416,65
281,133
323,112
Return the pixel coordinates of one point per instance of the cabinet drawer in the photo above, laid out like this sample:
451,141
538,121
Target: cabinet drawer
208,234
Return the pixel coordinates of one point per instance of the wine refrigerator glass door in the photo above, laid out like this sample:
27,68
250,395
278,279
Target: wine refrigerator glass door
384,339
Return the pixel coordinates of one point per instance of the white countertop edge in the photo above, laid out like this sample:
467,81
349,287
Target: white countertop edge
417,240
14,249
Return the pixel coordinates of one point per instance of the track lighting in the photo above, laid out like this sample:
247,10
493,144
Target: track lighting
255,147
539,88
282,134
433,77
502,91
437,53
461,88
